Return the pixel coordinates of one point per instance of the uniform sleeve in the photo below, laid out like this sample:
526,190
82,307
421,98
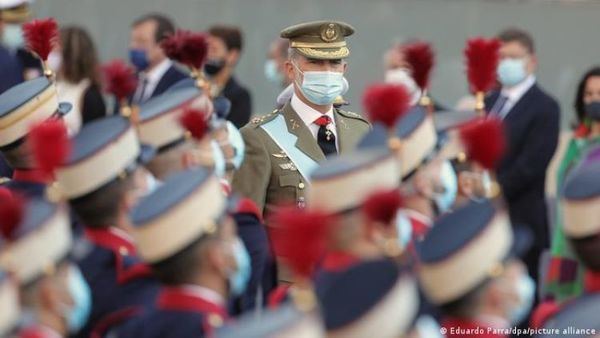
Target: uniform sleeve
536,154
252,178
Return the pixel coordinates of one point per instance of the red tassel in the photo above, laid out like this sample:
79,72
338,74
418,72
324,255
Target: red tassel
119,79
386,103
420,56
299,236
382,206
484,140
482,60
41,36
194,121
50,144
187,47
11,212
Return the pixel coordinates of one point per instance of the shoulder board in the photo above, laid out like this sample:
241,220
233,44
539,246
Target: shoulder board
4,180
257,121
352,115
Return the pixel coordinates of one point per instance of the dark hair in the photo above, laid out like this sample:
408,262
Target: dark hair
588,250
579,104
164,26
231,35
80,60
182,267
518,35
100,208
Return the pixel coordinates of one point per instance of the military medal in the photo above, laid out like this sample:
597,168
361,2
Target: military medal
328,134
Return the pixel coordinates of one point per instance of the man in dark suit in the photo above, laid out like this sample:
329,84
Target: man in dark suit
531,119
224,50
156,72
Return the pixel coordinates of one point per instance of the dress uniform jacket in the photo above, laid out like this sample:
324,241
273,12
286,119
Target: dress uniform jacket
177,314
267,175
121,285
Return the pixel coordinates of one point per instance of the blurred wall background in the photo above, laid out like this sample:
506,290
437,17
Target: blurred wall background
566,33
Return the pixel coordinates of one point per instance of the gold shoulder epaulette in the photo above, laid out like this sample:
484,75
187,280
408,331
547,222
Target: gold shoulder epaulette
351,115
264,118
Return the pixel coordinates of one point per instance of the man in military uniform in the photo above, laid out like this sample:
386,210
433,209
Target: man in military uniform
283,147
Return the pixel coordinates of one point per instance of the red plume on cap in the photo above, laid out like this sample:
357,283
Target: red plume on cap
194,121
482,60
299,236
420,56
41,36
187,47
50,144
386,103
119,79
484,140
11,212
382,206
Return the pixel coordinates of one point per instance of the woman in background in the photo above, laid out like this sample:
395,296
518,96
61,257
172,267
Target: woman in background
564,278
75,62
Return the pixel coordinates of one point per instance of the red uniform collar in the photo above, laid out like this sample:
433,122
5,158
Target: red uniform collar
174,298
111,239
121,246
32,175
338,260
592,282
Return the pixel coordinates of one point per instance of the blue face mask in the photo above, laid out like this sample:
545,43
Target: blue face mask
237,142
79,290
511,72
238,279
139,59
444,200
272,73
404,229
12,36
526,292
321,88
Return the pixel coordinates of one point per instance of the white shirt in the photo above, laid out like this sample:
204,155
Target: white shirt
309,115
153,78
204,293
514,94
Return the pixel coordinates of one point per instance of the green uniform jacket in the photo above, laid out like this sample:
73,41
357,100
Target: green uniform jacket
266,175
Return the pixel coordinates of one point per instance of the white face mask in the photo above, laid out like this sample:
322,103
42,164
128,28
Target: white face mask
55,61
401,76
12,36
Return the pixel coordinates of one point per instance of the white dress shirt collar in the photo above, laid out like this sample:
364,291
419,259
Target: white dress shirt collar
309,115
515,93
153,77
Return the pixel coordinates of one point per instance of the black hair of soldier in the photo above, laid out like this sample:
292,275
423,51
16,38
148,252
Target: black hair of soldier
164,26
182,267
99,209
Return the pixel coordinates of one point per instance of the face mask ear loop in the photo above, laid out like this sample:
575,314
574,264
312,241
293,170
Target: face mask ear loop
299,70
